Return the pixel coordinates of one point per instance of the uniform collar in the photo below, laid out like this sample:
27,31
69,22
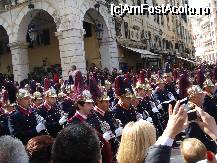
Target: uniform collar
69,98
100,111
24,111
79,115
34,106
47,106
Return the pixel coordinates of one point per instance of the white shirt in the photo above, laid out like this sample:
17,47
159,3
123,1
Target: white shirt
164,140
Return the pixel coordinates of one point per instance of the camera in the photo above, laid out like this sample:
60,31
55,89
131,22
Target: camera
191,111
192,115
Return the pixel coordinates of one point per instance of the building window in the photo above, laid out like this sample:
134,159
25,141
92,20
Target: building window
158,20
168,19
162,20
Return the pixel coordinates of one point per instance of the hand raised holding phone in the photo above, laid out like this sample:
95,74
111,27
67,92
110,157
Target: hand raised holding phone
207,123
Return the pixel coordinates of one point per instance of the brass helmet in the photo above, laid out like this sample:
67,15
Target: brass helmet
194,90
208,83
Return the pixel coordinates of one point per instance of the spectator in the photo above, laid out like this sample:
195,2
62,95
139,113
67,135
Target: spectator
193,150
77,143
39,149
136,139
12,150
161,151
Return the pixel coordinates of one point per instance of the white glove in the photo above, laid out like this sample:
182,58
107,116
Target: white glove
152,104
62,120
108,135
160,106
106,126
149,119
40,127
139,116
170,95
155,110
167,102
118,132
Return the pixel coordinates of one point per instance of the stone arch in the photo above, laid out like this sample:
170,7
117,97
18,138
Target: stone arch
24,18
108,47
5,56
89,4
5,25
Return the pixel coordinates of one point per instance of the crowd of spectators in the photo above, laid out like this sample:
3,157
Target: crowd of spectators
79,143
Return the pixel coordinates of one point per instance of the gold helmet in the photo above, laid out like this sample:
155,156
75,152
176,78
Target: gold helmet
160,81
208,83
194,90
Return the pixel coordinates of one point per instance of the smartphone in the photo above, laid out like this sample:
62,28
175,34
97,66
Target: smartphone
184,101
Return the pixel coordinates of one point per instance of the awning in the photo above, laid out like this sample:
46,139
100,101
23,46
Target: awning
188,60
144,53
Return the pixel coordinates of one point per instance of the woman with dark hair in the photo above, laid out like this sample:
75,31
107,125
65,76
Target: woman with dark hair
39,149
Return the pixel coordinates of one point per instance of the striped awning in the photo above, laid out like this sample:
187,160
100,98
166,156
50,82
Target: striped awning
144,53
188,60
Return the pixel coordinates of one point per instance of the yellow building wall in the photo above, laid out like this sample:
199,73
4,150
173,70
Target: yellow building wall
132,59
5,61
38,54
91,47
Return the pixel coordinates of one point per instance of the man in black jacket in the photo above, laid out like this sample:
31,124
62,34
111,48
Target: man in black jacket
23,122
161,151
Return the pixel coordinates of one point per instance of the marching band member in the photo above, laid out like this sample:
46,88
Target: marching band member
51,113
210,103
169,82
83,105
103,120
147,104
123,110
23,123
37,100
66,104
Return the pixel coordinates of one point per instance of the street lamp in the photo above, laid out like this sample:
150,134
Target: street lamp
99,31
33,32
31,5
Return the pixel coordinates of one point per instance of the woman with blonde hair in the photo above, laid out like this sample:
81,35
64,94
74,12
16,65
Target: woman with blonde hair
136,139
